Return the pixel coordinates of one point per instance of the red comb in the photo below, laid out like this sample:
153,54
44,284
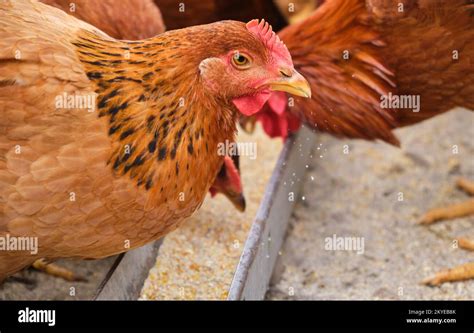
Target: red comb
264,31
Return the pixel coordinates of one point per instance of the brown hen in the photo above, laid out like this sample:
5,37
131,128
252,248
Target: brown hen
132,20
107,145
353,53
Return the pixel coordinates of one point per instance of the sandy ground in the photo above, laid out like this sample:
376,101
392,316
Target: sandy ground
31,284
357,195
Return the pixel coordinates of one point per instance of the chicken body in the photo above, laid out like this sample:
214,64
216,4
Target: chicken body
356,52
124,19
431,52
107,145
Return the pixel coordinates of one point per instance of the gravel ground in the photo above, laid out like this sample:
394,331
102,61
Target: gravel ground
357,195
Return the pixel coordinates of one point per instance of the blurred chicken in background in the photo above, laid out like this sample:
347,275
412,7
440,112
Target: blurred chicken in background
297,10
124,19
180,14
360,56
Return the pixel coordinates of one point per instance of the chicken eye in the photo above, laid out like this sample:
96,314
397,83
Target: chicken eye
240,61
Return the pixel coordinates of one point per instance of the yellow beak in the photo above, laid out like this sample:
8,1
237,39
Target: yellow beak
291,82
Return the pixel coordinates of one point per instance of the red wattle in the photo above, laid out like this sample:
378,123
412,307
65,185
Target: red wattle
276,120
278,102
249,105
